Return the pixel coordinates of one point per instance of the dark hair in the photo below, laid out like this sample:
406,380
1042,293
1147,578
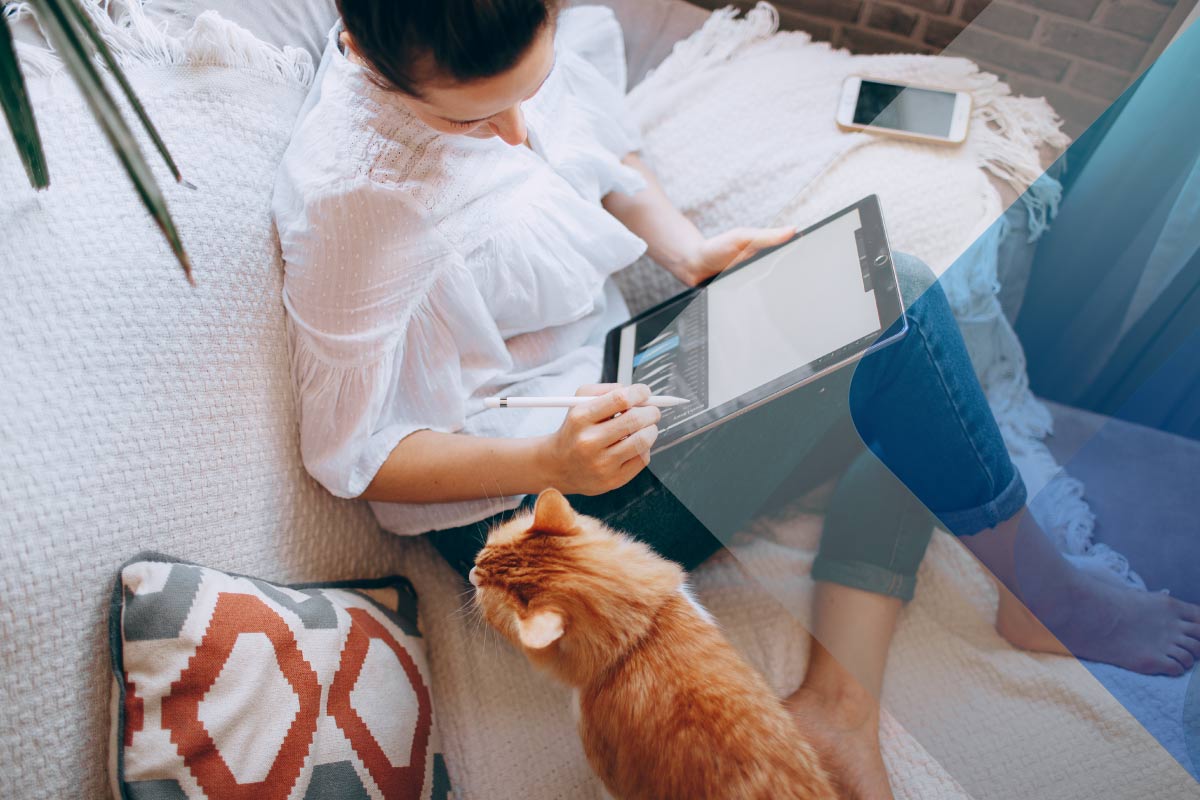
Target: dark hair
408,41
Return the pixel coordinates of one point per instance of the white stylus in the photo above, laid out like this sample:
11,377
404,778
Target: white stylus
661,401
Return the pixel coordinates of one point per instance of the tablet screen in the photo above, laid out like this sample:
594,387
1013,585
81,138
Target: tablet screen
799,303
773,322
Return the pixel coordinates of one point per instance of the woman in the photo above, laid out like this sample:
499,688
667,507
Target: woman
460,188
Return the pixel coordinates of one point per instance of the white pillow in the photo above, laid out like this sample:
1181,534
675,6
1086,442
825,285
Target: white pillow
293,23
651,26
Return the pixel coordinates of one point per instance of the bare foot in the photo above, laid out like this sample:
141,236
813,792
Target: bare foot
845,730
1098,620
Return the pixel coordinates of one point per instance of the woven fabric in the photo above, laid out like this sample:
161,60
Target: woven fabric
228,686
140,413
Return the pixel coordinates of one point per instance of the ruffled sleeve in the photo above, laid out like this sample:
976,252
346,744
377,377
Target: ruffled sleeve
379,307
591,62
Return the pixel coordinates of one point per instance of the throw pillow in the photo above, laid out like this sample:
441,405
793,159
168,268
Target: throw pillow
227,686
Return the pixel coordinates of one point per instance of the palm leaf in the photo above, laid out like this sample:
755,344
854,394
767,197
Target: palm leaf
19,112
85,23
73,46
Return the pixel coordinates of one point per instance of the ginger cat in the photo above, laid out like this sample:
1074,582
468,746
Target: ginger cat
668,709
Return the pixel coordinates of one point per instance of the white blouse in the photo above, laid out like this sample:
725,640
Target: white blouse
425,271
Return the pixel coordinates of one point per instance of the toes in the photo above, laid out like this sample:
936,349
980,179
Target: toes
1161,664
1190,646
1166,664
1182,655
1186,611
1178,662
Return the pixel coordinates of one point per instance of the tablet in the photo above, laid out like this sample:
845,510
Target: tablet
779,320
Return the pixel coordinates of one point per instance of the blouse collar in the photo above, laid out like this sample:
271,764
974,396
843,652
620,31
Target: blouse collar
379,105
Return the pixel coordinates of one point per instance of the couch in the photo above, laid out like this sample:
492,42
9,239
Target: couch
139,414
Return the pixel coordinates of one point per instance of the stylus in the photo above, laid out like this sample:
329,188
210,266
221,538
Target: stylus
661,401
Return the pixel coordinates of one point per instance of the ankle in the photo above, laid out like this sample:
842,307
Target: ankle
851,676
845,701
1050,603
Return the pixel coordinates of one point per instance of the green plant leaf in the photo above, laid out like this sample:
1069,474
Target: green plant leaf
85,22
76,51
18,110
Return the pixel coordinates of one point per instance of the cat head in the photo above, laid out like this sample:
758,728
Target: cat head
568,590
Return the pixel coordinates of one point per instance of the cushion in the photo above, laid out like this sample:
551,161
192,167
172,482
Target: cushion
651,28
283,23
229,686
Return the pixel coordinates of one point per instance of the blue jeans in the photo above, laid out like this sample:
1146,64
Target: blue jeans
908,427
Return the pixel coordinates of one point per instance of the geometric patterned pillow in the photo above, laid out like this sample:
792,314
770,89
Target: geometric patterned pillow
231,687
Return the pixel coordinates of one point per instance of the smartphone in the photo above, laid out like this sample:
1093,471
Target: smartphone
911,112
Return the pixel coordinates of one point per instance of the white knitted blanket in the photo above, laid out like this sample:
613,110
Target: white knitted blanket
739,124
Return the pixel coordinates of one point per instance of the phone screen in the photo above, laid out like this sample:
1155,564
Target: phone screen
904,108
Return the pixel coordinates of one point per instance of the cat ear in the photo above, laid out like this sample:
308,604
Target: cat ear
553,514
540,629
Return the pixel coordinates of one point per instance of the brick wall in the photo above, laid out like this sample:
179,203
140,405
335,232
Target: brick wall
1079,54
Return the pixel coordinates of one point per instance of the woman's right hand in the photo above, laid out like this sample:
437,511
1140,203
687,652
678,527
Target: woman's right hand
604,443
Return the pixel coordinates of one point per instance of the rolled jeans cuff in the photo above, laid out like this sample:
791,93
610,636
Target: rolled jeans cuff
863,575
970,521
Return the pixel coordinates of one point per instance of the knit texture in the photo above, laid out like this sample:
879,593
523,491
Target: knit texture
138,412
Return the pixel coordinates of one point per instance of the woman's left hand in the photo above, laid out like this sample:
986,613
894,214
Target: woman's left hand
731,247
